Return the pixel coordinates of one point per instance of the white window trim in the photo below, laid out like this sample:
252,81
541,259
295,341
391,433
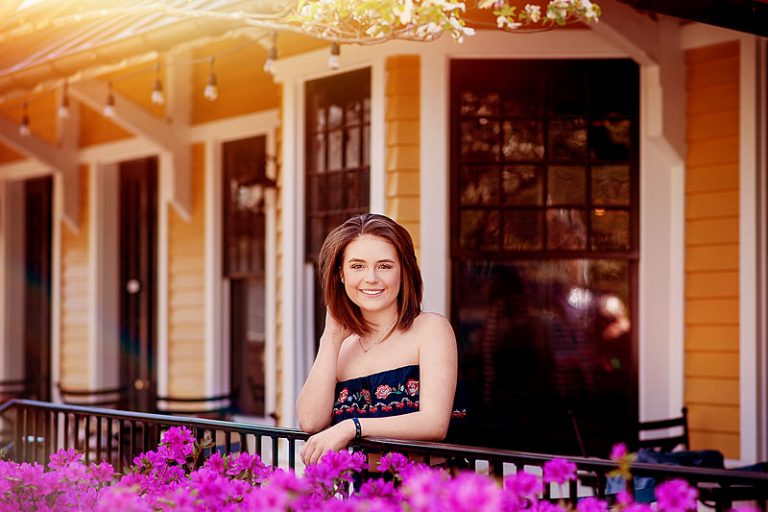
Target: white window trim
657,297
298,287
214,135
752,342
11,362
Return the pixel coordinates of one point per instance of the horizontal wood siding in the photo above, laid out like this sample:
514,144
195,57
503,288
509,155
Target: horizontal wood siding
402,143
186,290
712,248
75,301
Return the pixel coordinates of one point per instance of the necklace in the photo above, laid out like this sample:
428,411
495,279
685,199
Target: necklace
385,334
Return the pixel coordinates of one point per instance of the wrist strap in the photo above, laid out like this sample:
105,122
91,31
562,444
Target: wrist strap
358,430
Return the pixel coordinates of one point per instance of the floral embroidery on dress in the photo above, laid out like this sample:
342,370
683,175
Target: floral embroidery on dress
388,393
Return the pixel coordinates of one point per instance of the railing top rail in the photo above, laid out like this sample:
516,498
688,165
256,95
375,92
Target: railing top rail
290,433
692,474
729,476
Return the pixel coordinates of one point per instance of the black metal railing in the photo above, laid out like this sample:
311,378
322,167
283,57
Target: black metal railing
41,428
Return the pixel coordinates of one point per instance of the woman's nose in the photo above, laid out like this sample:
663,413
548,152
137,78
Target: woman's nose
371,276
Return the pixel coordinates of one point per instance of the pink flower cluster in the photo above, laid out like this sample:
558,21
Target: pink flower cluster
175,477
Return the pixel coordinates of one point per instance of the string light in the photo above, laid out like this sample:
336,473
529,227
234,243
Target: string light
24,130
211,89
334,61
109,106
63,111
158,98
269,64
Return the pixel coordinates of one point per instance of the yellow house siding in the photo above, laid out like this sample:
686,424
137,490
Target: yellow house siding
712,248
402,143
74,296
186,289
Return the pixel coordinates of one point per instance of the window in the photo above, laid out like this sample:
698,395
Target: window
338,128
545,248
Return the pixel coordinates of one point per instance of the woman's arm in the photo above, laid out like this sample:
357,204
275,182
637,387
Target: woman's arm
315,402
437,369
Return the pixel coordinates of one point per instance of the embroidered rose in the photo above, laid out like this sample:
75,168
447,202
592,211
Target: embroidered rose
413,386
366,395
383,391
343,395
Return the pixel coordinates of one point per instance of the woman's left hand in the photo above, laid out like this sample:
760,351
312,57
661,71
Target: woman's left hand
331,439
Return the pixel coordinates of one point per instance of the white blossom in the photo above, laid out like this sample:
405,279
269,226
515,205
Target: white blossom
533,12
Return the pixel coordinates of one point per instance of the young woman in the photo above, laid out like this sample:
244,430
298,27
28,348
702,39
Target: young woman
384,368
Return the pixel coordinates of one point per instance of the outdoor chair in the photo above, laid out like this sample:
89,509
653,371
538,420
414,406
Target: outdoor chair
664,435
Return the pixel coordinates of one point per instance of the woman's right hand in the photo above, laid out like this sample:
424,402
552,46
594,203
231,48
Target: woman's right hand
334,331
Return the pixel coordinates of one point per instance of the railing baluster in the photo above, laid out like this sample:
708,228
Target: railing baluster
46,435
88,438
573,491
275,449
228,442
23,437
258,444
35,433
132,444
120,444
98,439
109,441
66,430
243,442
291,453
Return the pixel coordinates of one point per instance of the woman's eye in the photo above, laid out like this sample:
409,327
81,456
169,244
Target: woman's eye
356,266
385,267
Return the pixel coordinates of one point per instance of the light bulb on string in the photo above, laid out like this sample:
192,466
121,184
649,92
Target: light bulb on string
269,64
334,61
212,88
158,98
24,130
63,111
109,106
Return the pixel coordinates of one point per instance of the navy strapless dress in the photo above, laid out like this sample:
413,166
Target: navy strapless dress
388,393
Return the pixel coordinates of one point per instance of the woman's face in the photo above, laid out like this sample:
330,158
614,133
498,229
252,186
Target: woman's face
371,272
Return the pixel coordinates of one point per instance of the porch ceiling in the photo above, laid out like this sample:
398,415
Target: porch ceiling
54,39
749,16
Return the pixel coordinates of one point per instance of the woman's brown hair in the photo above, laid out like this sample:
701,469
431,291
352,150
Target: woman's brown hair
330,262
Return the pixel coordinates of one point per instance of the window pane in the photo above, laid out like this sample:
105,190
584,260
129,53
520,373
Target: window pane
479,229
480,140
523,185
317,155
566,185
610,139
320,119
479,104
353,113
316,233
610,185
566,229
479,185
353,147
523,140
314,193
366,145
367,110
568,95
352,189
335,116
335,141
334,191
610,230
568,140
523,230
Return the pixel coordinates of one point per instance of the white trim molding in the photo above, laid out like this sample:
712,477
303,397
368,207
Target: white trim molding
751,111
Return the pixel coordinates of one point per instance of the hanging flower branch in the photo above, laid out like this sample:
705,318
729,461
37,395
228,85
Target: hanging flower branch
373,21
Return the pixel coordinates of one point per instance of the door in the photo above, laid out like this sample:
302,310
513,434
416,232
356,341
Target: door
137,224
544,211
37,287
243,249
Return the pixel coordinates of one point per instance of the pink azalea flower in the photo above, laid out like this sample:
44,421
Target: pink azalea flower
520,489
216,463
472,492
63,458
394,462
592,505
559,471
619,451
424,489
676,496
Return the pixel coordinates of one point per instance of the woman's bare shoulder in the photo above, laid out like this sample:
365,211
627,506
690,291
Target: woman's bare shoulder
432,326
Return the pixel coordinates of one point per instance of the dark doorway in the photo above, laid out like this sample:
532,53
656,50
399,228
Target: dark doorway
544,215
37,287
138,214
243,249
